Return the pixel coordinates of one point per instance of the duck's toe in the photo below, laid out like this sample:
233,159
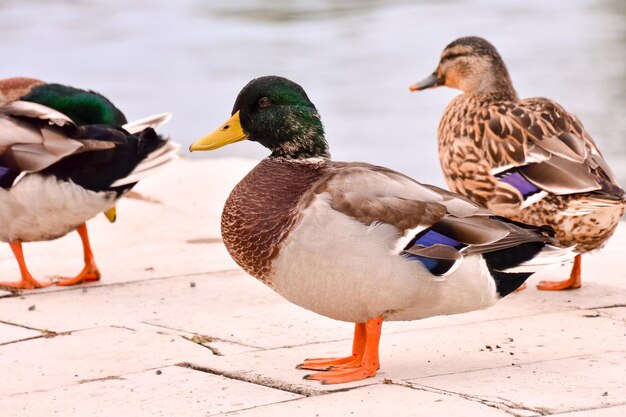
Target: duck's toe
324,364
89,273
572,283
25,284
341,375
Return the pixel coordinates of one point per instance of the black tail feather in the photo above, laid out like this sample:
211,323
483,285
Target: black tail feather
501,260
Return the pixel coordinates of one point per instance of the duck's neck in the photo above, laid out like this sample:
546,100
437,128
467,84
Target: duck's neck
496,85
306,139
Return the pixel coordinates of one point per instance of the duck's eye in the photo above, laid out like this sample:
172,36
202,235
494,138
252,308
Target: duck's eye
264,102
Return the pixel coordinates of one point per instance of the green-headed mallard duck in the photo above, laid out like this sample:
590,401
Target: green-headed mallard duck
66,155
358,242
526,159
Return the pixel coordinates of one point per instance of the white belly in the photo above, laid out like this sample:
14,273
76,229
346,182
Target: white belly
43,208
340,268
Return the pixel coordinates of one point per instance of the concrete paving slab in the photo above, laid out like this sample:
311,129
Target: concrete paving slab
10,333
568,384
236,308
168,391
449,350
378,400
163,300
66,360
615,312
616,411
152,258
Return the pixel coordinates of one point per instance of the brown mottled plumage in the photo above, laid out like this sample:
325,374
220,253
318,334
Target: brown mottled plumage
13,88
488,133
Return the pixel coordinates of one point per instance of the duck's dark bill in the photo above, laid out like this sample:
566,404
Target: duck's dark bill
431,81
229,132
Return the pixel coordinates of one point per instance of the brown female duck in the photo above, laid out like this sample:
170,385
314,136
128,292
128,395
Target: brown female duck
526,159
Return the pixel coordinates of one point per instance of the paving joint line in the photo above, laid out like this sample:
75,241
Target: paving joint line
217,339
21,293
264,381
204,342
505,405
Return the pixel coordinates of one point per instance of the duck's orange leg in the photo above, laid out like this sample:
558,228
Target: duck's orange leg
369,361
572,283
354,360
27,282
90,272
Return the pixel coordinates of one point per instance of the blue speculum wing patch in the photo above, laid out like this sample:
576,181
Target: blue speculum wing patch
7,176
429,238
518,181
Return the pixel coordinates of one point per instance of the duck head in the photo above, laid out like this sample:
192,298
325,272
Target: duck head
275,112
472,65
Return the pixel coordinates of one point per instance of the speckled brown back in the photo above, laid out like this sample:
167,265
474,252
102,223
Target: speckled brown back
12,89
263,207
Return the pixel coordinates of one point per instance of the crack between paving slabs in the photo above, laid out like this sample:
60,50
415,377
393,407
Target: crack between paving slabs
505,405
48,334
45,333
204,342
265,381
213,338
55,289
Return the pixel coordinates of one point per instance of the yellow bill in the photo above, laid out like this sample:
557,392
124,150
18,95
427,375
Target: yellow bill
111,214
229,132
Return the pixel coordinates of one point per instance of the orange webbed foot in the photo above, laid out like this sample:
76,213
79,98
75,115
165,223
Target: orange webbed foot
363,363
572,283
521,287
27,282
558,285
89,273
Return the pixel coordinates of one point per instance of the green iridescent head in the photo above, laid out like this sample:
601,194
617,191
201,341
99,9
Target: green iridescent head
277,113
83,107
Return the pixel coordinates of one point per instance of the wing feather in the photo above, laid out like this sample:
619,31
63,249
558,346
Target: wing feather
547,145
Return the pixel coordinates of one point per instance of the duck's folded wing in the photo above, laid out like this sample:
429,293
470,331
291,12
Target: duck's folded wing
34,137
373,194
538,146
435,226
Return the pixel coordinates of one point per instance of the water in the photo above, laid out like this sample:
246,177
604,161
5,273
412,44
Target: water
355,59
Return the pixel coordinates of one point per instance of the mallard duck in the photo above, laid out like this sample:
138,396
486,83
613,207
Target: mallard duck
66,154
358,242
526,159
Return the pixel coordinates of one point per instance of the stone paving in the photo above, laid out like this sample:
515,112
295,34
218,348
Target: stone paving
175,328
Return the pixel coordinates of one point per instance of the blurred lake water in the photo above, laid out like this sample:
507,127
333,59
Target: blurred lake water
355,59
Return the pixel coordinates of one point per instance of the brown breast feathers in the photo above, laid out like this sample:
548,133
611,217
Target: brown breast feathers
263,207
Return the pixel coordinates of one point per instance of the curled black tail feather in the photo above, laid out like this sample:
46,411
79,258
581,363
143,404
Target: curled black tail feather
97,170
148,142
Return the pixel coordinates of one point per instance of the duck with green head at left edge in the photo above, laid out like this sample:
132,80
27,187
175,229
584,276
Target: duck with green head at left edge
67,154
357,242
